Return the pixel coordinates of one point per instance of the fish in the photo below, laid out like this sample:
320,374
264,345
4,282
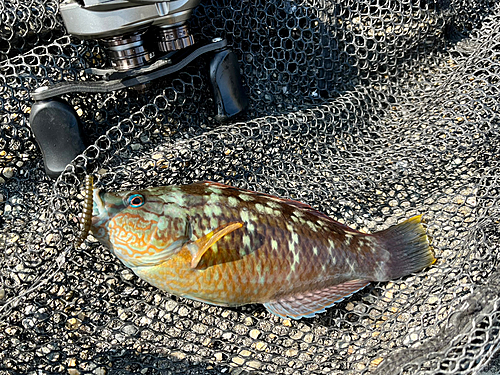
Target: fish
227,246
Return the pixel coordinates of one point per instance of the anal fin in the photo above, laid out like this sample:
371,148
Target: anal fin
308,304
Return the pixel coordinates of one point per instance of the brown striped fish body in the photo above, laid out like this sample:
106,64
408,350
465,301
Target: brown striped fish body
227,246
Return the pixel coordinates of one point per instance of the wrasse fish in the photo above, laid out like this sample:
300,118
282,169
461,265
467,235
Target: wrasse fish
226,246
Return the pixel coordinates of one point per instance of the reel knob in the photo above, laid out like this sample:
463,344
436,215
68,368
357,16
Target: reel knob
229,94
57,131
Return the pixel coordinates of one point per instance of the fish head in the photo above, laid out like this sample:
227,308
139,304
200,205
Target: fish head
139,227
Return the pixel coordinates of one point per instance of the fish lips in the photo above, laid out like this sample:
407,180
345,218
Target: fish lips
105,206
99,211
98,208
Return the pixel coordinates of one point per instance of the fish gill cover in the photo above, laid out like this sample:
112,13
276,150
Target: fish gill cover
370,111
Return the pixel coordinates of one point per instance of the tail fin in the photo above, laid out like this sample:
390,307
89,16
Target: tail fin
409,248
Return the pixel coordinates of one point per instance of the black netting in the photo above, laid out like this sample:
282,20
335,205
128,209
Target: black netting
370,111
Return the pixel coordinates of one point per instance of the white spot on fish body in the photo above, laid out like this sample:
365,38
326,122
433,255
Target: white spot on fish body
246,241
289,227
216,210
324,224
250,226
268,210
348,239
296,260
215,190
214,222
274,244
350,264
331,243
246,197
258,268
295,237
208,210
372,245
245,215
273,204
298,213
259,207
361,243
205,223
233,202
215,198
315,250
295,219
312,225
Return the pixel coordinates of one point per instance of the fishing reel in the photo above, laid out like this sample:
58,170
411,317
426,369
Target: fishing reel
145,40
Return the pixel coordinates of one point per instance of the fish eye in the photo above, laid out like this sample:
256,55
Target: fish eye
135,200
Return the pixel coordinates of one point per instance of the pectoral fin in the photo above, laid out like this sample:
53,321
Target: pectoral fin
199,247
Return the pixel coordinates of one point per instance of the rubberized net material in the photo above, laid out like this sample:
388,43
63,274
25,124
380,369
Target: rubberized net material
370,111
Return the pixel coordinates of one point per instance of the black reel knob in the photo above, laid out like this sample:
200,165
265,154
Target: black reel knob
229,94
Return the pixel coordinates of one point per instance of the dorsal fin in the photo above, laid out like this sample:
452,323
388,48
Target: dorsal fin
291,202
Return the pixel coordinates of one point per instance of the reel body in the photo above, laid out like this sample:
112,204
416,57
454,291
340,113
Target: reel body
125,28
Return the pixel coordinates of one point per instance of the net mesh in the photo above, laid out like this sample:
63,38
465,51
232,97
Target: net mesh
370,111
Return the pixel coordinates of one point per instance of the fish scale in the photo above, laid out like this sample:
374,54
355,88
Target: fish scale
227,246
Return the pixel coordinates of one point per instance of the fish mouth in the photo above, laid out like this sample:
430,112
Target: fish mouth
98,205
100,213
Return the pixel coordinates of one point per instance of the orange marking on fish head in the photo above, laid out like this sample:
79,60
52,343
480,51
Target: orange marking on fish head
135,225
